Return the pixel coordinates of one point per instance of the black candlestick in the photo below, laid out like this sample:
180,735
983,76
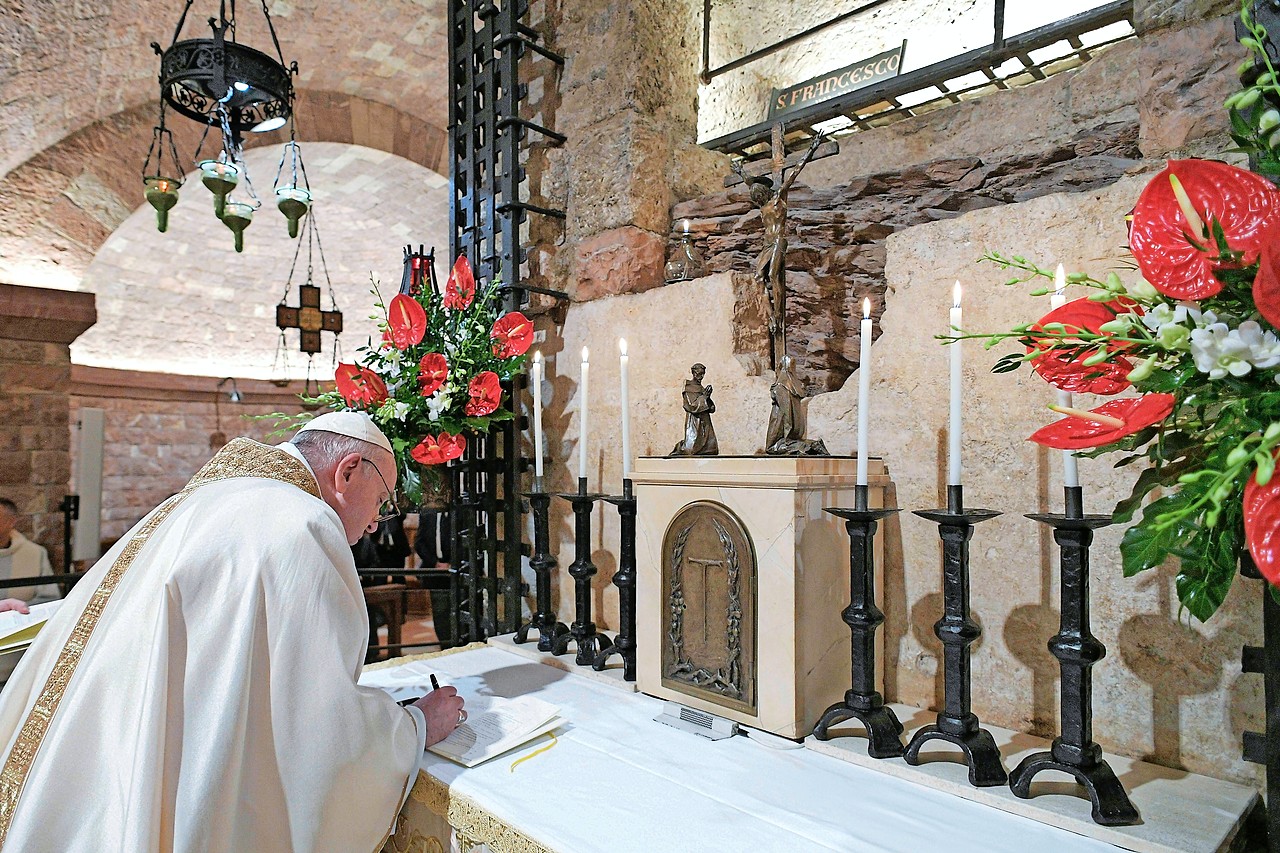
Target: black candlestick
1077,650
583,630
957,723
543,621
625,580
862,701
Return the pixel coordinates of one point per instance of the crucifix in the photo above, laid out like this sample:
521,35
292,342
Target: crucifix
308,319
769,194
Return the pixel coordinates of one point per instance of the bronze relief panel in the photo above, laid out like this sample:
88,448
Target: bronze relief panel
709,617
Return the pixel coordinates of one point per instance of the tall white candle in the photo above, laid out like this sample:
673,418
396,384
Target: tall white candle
582,432
864,389
537,415
1070,470
626,410
953,455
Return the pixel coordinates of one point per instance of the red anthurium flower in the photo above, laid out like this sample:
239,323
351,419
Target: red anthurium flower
485,393
512,335
1266,284
1262,525
436,450
433,370
360,386
1067,371
1118,418
406,321
1243,203
460,290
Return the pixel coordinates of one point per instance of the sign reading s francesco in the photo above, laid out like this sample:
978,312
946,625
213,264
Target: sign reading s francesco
859,75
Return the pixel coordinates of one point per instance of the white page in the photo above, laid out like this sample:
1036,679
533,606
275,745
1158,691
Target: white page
11,621
494,726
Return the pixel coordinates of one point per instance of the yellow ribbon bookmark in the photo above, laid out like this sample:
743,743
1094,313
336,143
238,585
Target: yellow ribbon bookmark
538,751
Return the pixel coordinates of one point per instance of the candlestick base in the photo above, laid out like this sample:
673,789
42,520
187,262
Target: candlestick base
583,631
544,620
956,723
862,701
624,579
1111,805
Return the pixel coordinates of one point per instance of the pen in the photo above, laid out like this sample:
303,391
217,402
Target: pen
435,685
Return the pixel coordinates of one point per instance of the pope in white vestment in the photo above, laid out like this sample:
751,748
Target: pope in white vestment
197,691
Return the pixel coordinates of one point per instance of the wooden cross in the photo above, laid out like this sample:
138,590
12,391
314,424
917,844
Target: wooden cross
308,319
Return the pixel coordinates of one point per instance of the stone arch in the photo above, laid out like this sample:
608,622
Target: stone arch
58,208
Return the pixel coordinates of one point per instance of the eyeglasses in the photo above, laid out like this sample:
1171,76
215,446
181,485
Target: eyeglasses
388,509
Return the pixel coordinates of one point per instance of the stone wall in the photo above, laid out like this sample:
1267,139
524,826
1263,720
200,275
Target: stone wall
1047,171
36,328
160,428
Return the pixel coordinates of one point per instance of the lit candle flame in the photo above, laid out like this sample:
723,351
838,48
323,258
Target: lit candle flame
584,354
537,356
622,345
955,296
866,309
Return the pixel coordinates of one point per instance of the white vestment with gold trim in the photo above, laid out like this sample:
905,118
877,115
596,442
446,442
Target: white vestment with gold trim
214,706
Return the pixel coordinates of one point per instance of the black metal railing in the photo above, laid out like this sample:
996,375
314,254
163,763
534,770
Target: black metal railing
883,102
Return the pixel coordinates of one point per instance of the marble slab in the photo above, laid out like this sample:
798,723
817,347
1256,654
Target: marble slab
610,675
1181,812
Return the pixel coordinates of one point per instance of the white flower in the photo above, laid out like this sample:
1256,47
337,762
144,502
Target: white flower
437,403
400,411
1218,351
1264,346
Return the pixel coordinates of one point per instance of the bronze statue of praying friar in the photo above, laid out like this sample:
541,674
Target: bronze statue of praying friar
786,435
699,435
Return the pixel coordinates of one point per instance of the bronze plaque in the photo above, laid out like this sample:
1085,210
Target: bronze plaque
709,618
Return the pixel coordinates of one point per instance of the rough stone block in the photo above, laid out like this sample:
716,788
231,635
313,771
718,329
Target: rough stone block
623,260
50,467
1151,15
15,468
618,176
1188,73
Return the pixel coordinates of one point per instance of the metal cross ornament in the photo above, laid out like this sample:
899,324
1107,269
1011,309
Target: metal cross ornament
308,318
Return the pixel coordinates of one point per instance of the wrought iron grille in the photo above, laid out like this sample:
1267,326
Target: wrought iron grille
486,135
1005,63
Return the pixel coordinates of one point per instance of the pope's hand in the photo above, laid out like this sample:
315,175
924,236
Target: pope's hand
443,710
14,604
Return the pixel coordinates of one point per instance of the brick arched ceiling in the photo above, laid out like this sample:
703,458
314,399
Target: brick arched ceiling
186,302
58,208
67,66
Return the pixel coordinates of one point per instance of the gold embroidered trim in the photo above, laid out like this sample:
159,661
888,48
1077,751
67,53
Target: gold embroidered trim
473,824
241,457
18,764
244,457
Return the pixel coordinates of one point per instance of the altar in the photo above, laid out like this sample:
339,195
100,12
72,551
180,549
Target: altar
617,781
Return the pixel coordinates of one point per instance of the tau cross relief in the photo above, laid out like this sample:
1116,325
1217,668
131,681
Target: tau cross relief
308,319
704,565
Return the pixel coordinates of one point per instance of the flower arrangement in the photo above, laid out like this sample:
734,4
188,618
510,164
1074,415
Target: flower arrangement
437,373
1196,339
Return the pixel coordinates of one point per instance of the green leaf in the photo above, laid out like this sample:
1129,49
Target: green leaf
1147,480
1144,546
1008,363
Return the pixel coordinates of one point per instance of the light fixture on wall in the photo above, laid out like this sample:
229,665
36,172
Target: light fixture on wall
221,84
234,394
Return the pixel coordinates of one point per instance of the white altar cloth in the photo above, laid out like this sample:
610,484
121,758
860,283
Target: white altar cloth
618,782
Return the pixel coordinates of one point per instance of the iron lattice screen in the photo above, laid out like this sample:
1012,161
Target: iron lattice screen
486,134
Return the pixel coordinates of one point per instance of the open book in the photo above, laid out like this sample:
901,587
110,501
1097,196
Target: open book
17,630
496,725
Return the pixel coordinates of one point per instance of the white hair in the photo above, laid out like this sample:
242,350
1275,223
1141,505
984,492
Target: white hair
321,448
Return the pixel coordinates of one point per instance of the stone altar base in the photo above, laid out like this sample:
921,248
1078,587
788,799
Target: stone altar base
795,647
